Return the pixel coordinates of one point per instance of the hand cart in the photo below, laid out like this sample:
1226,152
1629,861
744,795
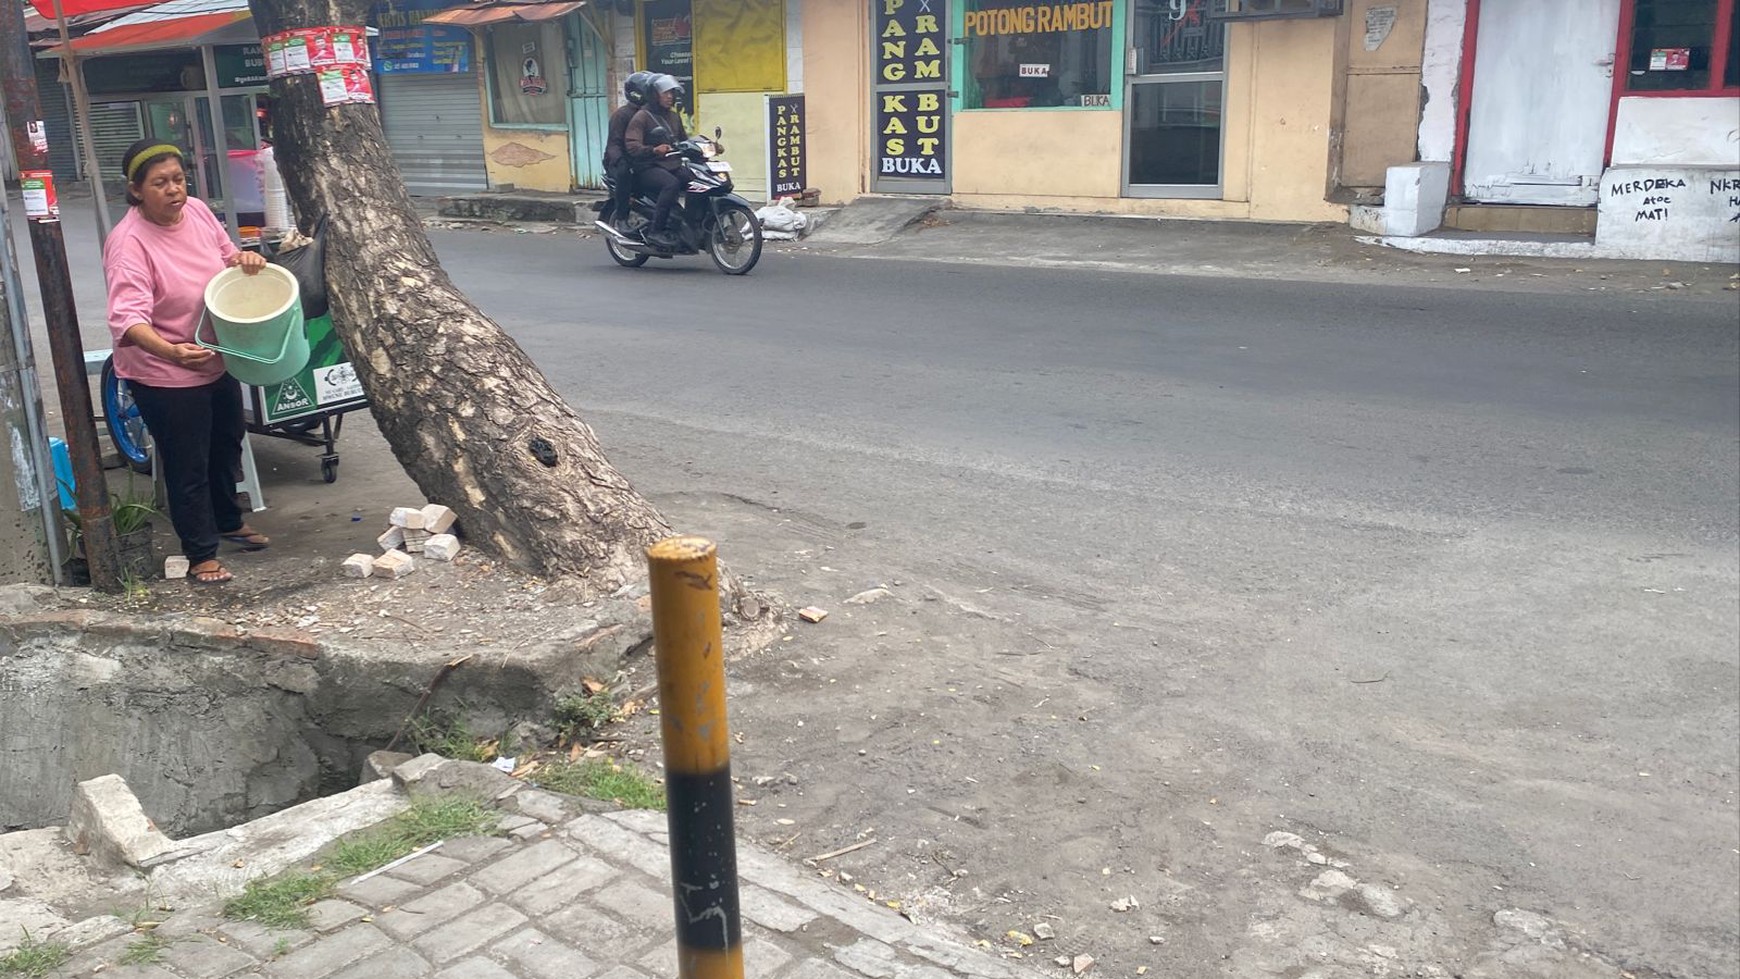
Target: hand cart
308,408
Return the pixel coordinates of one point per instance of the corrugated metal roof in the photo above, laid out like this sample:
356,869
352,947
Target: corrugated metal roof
501,11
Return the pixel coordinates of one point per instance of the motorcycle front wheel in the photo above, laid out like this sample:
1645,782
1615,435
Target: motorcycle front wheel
735,243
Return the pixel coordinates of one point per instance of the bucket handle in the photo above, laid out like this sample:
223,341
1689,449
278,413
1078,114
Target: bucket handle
227,352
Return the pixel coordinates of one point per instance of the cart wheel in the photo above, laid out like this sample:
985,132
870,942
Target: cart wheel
329,470
121,415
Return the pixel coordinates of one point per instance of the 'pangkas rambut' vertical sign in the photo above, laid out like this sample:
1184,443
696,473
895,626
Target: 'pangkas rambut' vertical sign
911,89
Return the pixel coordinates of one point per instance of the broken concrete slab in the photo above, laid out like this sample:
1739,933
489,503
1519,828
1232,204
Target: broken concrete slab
873,220
380,764
434,775
108,823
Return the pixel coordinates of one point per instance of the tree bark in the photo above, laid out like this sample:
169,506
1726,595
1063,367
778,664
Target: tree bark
466,412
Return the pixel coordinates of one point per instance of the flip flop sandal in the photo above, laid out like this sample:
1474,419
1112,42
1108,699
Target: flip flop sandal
249,540
214,573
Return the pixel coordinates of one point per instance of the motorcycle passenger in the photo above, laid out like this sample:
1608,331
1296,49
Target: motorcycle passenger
636,90
656,173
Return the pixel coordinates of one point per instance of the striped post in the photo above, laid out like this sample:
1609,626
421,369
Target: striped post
683,573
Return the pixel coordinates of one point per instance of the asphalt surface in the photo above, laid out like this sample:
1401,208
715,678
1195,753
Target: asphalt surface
1441,578
1447,574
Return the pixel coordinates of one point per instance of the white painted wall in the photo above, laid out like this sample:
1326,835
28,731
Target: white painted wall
1543,83
794,46
1439,71
1677,131
623,54
1685,213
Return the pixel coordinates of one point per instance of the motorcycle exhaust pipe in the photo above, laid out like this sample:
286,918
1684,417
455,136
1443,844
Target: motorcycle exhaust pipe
612,232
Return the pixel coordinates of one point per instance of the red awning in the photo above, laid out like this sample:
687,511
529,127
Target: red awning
72,7
502,11
177,32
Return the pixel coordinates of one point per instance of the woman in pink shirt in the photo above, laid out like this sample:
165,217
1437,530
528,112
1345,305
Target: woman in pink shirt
158,261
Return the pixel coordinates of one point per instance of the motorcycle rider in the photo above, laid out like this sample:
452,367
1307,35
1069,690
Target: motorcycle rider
657,173
636,90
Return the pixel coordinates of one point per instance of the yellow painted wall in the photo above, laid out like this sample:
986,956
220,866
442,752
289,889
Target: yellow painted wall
1039,153
528,159
1280,101
837,96
743,116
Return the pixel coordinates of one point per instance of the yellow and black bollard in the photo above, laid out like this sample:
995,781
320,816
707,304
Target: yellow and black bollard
683,572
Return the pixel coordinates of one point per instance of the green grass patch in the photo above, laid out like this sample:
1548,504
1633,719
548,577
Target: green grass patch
450,738
425,822
605,780
577,713
145,950
280,902
283,901
33,959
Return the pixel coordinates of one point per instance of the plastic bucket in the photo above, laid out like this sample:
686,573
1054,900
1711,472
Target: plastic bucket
258,322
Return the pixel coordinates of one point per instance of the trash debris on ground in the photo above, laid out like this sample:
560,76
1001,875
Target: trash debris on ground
781,221
810,613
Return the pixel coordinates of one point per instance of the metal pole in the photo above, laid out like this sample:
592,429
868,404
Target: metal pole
82,106
66,346
689,649
20,359
222,134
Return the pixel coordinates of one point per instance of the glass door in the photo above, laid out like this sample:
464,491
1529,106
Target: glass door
1177,81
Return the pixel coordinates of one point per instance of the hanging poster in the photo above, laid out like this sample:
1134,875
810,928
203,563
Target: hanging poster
40,204
786,172
668,30
313,49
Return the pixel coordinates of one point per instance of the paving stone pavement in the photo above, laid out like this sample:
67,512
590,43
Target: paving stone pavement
584,897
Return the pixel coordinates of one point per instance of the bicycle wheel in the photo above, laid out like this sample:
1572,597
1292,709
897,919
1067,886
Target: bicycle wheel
126,427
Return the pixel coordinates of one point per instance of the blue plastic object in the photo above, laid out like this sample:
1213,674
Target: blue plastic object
63,474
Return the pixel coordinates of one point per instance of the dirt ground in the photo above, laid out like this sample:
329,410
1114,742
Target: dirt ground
981,765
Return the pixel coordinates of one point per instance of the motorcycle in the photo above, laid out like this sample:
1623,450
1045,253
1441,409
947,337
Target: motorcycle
711,217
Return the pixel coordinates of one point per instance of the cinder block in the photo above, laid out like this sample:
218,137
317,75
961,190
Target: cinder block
175,566
410,518
359,566
393,539
394,565
437,519
442,547
108,823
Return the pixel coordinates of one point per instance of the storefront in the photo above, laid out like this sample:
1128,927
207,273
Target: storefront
541,89
1649,153
164,95
1204,108
427,89
736,58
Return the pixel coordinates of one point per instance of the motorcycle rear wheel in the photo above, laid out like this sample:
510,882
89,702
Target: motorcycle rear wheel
735,242
624,257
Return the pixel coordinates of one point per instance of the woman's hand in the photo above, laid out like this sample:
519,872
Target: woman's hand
249,262
192,354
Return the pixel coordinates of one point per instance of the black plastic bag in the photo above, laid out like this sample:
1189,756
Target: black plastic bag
308,265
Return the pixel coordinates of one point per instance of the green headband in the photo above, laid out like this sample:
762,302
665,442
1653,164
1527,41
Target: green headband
147,153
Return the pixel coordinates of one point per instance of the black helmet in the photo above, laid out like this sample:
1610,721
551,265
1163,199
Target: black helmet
638,88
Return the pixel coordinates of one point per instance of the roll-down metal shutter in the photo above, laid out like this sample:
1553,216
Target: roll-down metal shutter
114,127
434,126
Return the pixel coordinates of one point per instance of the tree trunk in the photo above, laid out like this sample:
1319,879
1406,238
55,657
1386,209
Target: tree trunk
467,413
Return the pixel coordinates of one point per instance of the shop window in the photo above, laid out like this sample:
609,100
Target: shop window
1682,46
1020,54
527,75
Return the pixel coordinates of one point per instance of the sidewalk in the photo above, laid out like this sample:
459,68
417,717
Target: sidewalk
565,894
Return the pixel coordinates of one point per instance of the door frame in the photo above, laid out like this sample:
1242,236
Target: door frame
1215,191
585,143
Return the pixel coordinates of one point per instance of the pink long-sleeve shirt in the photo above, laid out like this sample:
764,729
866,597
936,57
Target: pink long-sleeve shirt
157,275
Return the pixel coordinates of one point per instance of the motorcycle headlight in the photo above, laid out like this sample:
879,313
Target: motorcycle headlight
709,150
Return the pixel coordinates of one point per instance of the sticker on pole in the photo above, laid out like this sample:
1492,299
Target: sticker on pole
316,50
38,136
40,204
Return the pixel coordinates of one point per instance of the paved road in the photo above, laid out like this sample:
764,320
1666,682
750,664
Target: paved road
1441,579
1444,576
